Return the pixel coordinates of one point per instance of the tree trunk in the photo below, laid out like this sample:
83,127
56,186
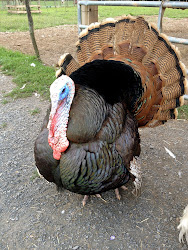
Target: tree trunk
31,30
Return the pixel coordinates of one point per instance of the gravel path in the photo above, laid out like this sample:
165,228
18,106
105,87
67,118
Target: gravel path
35,216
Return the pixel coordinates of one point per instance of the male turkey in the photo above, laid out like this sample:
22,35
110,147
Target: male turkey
127,75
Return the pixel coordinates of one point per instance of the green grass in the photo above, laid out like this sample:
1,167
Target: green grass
35,175
68,15
34,111
106,11
49,17
27,78
3,125
183,111
4,101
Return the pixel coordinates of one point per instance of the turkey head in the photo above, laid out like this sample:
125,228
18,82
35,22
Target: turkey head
61,93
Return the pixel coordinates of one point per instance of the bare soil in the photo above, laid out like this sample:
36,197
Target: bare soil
35,216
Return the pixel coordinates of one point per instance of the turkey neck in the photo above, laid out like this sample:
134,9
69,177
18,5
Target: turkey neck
87,113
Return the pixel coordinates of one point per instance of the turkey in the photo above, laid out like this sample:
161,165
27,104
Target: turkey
128,75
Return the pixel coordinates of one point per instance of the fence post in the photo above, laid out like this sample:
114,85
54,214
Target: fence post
89,14
31,29
160,16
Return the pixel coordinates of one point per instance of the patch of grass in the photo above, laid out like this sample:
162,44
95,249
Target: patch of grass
4,101
3,125
183,111
28,79
34,111
51,16
34,175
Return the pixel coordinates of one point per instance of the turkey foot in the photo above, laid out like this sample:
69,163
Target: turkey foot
118,196
86,197
84,201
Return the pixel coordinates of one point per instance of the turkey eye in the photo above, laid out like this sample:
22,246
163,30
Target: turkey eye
63,91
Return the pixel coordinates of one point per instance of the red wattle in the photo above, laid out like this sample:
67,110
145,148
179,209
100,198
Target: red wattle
57,153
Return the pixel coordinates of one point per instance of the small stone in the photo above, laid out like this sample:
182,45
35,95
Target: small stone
112,237
76,247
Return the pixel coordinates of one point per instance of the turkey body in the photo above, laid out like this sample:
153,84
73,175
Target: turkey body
128,75
102,132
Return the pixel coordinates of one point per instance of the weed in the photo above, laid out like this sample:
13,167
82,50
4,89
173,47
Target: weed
34,175
4,101
34,111
3,125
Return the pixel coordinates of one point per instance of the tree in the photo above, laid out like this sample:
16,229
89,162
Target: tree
31,29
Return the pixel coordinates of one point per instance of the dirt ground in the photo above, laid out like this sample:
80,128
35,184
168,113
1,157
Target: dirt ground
53,42
35,216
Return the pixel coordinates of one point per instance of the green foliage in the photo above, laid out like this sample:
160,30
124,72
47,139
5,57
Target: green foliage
28,79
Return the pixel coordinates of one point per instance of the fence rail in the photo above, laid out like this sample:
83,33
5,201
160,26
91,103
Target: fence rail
170,4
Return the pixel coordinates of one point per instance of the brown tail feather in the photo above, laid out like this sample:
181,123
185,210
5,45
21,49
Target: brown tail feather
139,44
68,65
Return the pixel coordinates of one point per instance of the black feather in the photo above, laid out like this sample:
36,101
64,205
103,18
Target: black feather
113,80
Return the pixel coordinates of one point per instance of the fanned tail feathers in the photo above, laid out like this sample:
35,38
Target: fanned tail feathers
140,45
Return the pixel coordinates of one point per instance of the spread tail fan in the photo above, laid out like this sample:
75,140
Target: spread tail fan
140,45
